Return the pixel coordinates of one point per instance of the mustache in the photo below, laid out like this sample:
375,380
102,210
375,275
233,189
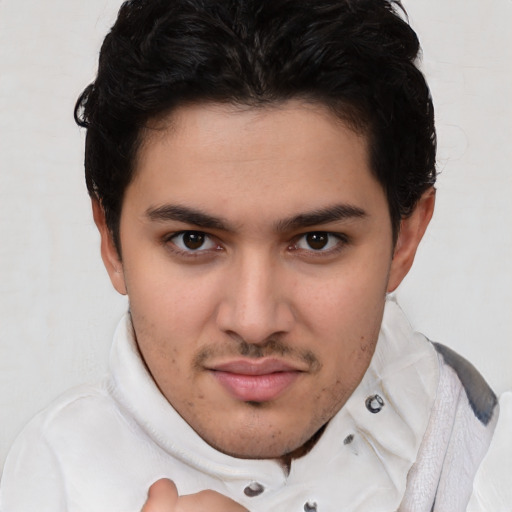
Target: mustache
273,347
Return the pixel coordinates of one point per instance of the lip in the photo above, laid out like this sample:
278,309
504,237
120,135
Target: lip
255,381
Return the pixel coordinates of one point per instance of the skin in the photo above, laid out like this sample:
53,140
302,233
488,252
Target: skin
163,497
253,330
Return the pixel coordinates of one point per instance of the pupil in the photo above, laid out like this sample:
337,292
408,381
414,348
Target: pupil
193,240
317,241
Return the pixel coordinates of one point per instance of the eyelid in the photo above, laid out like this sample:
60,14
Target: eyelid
213,245
169,241
341,241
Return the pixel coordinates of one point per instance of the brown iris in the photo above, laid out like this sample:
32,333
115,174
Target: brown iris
317,240
193,239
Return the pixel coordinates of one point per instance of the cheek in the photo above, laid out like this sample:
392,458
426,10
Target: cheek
344,318
171,300
346,301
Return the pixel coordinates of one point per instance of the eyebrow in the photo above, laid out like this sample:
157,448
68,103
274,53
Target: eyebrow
196,217
187,215
335,213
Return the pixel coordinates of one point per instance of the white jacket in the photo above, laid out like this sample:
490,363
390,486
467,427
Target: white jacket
410,438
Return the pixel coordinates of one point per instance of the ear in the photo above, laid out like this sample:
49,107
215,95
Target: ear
109,253
412,229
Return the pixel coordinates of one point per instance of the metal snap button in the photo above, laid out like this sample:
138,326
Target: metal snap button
254,489
310,506
374,404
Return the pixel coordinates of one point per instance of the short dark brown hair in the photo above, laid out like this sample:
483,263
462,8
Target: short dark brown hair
357,57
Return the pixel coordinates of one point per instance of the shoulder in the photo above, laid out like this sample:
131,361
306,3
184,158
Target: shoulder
481,398
34,468
492,489
76,407
458,435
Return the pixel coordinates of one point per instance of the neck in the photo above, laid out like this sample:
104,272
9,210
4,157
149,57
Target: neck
286,460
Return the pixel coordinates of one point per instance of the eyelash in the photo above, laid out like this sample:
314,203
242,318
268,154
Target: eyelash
190,253
341,242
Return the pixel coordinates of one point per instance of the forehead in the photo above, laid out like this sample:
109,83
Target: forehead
248,127
222,156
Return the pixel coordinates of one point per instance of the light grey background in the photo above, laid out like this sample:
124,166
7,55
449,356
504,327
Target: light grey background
57,309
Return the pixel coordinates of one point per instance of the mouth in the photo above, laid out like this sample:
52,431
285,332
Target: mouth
255,380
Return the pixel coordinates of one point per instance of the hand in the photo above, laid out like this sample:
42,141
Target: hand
163,497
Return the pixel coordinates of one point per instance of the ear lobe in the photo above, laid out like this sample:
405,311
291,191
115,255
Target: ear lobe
109,253
412,230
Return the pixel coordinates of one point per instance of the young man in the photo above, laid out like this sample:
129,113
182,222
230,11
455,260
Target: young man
261,175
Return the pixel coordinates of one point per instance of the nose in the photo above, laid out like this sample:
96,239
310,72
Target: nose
256,302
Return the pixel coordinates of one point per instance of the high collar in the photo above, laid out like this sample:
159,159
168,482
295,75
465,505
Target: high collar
371,443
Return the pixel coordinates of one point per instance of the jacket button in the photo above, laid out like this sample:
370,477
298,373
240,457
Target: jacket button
374,404
348,439
254,489
310,506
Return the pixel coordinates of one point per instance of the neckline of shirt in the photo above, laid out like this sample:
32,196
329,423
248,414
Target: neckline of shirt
403,375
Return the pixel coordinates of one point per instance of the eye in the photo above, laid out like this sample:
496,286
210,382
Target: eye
193,241
318,241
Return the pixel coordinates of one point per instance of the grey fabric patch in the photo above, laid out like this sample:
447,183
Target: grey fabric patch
481,397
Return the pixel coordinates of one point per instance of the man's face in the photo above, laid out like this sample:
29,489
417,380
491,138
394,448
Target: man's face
256,250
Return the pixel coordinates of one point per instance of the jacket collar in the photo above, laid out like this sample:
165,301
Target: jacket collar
363,455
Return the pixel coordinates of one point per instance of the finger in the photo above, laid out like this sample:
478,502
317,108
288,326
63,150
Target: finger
162,497
210,501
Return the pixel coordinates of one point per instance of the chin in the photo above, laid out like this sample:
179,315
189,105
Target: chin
266,442
257,450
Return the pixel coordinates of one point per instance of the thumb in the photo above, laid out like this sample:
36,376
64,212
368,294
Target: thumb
162,496
211,501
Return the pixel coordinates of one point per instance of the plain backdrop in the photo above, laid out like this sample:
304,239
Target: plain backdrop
57,309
